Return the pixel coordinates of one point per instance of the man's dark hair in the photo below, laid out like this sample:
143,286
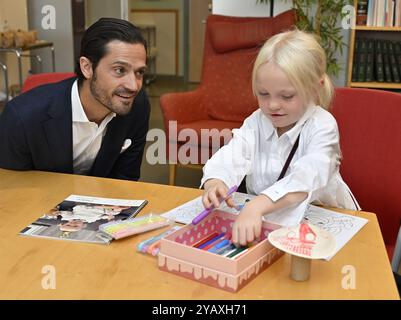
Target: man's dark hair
99,34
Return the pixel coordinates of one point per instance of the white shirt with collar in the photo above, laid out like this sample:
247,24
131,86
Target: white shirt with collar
87,136
256,151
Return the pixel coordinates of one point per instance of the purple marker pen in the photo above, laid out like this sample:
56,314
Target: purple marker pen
206,212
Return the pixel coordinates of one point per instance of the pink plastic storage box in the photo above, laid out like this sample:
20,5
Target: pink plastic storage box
177,254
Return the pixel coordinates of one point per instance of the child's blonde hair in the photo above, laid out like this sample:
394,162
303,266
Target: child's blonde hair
303,60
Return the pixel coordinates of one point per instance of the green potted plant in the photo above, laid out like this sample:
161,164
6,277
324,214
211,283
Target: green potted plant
321,17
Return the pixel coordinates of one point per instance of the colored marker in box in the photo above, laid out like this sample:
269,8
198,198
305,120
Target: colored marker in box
236,252
150,245
209,244
204,240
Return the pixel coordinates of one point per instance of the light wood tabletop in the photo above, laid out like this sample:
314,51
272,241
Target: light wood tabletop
118,271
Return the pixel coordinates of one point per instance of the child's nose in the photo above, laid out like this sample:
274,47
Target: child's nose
274,105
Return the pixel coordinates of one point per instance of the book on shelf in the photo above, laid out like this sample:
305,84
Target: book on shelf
362,60
379,67
397,14
386,62
362,12
369,60
355,60
380,13
370,18
78,218
397,56
393,62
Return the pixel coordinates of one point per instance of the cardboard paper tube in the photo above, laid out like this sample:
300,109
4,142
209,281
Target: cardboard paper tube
300,268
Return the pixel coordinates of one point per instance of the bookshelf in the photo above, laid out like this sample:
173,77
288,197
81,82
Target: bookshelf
360,32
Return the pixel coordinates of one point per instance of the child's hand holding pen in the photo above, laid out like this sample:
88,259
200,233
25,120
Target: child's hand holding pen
215,190
248,226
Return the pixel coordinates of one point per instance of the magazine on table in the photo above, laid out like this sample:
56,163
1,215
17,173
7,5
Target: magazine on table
78,218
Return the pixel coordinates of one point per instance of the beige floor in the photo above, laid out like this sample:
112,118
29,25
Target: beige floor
159,173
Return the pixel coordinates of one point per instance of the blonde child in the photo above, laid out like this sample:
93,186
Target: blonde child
294,93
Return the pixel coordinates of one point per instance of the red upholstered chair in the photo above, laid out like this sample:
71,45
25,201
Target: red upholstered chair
224,97
370,137
39,79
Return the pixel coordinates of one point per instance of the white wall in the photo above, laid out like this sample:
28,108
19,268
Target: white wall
61,36
153,12
341,79
248,8
96,9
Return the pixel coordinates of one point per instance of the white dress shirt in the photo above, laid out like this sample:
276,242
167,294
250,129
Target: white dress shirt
257,152
87,136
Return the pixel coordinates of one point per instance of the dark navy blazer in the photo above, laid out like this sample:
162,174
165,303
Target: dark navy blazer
36,134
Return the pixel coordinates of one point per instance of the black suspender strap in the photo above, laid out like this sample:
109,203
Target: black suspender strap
290,156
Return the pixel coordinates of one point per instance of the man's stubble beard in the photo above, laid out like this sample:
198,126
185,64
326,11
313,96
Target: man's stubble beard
106,101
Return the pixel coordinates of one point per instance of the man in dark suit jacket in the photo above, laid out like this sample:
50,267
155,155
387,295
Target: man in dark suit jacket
95,124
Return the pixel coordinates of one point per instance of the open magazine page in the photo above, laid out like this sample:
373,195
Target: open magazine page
78,218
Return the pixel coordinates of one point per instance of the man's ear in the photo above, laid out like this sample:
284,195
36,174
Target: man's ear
86,67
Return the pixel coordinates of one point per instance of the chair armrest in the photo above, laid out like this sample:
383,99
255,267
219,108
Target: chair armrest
183,107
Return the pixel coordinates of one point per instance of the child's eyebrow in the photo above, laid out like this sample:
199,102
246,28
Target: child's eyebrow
287,91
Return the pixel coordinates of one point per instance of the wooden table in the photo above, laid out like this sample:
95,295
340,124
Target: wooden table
117,271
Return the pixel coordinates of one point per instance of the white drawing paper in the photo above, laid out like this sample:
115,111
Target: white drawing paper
189,210
342,226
